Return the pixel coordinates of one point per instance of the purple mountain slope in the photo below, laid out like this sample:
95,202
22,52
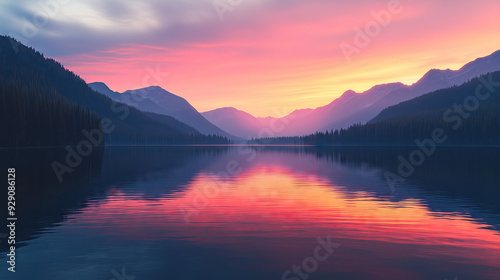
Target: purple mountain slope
433,80
351,107
235,122
155,99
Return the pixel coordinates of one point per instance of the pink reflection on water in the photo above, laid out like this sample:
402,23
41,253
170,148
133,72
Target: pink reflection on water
275,211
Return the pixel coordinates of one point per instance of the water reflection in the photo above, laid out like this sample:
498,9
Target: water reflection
183,214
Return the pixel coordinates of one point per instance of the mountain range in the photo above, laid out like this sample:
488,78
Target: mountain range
463,115
155,99
155,113
351,107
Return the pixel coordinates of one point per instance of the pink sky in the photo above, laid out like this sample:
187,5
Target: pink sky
267,56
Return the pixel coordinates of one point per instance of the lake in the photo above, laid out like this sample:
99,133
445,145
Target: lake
256,213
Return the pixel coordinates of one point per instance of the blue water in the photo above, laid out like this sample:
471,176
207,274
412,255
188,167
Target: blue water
256,213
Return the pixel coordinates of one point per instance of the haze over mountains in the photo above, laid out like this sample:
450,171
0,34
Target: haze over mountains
351,107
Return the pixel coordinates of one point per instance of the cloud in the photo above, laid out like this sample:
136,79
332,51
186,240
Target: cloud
263,50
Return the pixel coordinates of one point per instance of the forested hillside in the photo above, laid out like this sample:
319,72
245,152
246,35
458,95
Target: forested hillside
43,104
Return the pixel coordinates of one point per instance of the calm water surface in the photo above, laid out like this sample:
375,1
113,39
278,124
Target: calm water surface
247,213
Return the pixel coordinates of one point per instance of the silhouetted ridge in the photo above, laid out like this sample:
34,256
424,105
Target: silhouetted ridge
46,105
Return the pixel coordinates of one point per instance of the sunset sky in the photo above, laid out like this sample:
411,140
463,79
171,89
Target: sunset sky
260,56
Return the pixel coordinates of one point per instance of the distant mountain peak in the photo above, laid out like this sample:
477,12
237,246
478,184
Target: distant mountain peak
387,87
349,92
383,85
229,109
438,72
154,88
437,76
104,89
148,89
99,84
